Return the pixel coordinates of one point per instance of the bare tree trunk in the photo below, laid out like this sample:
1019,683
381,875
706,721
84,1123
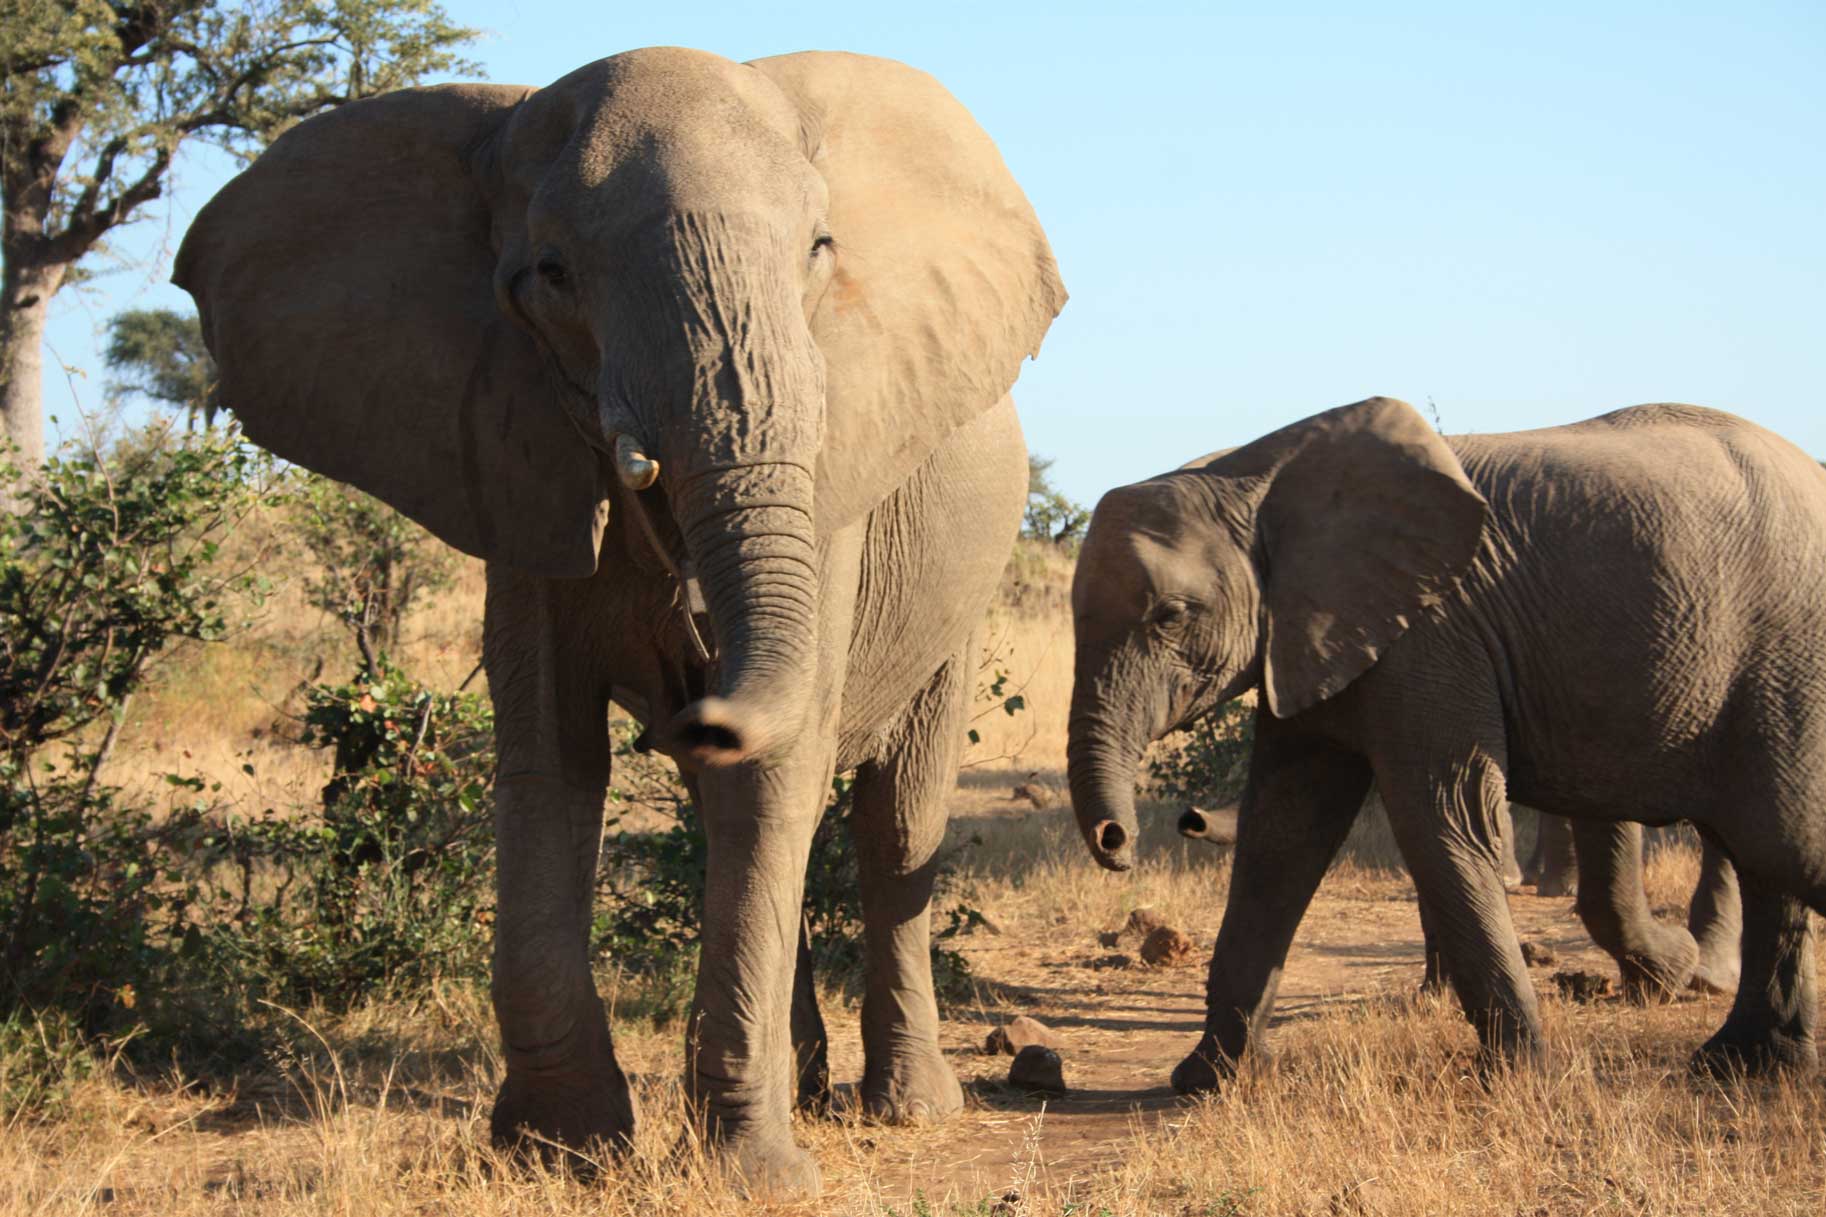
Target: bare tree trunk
25,304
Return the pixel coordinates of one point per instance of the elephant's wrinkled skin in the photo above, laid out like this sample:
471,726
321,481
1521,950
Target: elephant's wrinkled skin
710,362
1607,621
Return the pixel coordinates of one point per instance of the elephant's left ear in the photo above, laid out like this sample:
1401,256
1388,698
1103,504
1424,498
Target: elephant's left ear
1368,524
944,279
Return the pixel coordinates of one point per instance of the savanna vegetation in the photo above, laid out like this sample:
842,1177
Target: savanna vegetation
246,852
247,890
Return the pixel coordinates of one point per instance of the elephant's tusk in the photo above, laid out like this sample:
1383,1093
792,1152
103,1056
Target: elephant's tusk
636,469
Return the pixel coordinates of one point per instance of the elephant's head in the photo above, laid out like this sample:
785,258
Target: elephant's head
1286,566
739,303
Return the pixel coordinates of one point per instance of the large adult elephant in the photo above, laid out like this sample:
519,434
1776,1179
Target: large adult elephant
710,362
1616,620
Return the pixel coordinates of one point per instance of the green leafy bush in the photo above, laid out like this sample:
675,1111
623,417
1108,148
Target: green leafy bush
1208,764
389,885
104,564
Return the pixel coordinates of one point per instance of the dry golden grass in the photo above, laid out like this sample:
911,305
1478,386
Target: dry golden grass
1367,1107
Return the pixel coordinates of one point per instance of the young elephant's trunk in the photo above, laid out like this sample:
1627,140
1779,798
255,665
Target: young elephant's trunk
1101,758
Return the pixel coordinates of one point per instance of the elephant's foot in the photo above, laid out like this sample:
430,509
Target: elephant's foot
917,1087
1720,964
1205,1069
768,1165
1732,1052
1663,970
569,1120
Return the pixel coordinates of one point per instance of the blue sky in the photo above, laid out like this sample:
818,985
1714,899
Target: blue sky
1527,213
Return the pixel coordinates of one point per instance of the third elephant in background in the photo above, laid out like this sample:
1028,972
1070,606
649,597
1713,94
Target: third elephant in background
1612,621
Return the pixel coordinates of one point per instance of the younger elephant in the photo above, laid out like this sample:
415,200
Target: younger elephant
1616,620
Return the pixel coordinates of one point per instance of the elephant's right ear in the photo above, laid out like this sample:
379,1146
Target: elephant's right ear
944,281
345,286
1368,522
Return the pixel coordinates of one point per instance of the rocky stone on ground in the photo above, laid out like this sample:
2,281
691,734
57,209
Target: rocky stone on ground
1167,947
1037,1070
1142,922
1538,955
1582,987
1018,1033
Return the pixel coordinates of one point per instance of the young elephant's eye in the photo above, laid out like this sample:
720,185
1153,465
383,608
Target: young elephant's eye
552,271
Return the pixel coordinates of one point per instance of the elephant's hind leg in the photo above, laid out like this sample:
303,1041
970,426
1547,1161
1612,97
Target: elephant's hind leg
1771,1024
1656,960
898,823
1716,921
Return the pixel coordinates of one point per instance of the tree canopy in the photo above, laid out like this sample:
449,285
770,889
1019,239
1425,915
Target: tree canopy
97,96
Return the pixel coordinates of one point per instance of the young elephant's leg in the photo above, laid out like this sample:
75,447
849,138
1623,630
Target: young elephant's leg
1656,960
1716,921
1551,867
1302,797
1445,819
898,822
1771,1024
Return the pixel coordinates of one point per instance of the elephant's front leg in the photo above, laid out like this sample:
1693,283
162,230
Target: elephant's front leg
1656,960
1302,797
1444,804
758,821
898,823
563,1085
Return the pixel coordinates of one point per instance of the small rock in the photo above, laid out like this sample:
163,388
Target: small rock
1034,791
1039,1070
1166,947
1582,987
1017,1033
1538,955
1110,961
1110,938
1142,922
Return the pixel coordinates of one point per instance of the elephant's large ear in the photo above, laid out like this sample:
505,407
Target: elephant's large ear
944,279
1368,522
345,287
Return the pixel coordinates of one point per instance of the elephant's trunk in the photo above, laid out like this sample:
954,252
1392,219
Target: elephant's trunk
756,559
1104,749
1217,827
736,456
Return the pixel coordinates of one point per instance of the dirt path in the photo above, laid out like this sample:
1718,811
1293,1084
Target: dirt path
1125,1027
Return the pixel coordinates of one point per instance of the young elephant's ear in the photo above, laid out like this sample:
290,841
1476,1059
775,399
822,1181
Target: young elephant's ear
944,280
345,282
1368,522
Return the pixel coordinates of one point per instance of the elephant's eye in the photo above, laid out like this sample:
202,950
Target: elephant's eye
823,242
552,271
1169,613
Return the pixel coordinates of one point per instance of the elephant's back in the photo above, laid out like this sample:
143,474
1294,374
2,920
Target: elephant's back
932,560
1655,576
